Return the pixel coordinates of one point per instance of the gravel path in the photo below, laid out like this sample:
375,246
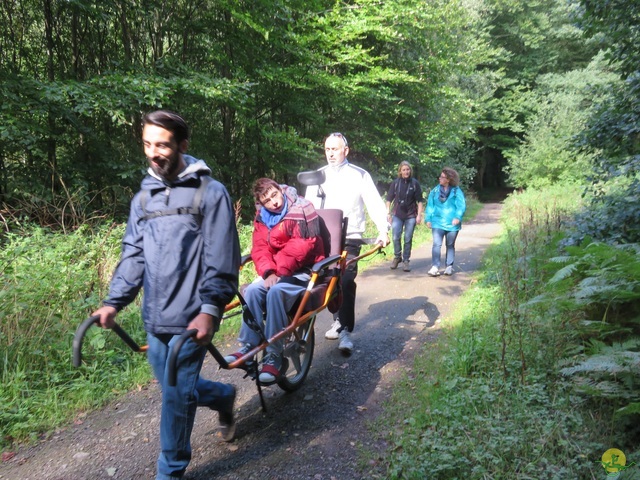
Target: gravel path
315,433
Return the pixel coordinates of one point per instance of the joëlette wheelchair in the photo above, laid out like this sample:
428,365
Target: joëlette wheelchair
323,291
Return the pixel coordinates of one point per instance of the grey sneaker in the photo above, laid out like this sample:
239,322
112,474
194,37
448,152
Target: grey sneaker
433,272
332,333
448,270
270,370
394,263
406,266
246,348
346,345
226,418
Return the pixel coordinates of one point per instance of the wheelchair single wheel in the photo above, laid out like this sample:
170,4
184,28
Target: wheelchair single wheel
298,353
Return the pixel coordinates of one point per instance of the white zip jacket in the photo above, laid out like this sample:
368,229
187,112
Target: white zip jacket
351,188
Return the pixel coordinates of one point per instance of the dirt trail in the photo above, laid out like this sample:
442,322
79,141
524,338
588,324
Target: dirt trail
314,433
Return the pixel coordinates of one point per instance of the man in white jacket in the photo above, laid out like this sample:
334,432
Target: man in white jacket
350,189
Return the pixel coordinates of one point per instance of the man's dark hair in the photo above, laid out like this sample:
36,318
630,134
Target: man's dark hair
169,121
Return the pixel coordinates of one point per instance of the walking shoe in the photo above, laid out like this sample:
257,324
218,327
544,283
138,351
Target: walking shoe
394,263
433,272
226,419
270,370
406,266
246,348
448,270
332,333
346,345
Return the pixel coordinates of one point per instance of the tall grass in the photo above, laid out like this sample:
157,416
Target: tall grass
491,401
50,283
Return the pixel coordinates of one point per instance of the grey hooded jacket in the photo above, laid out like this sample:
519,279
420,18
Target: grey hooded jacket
185,264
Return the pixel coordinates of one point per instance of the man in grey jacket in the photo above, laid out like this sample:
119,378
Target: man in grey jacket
181,245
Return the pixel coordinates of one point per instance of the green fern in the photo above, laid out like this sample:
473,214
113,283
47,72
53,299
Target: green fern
632,409
564,272
612,371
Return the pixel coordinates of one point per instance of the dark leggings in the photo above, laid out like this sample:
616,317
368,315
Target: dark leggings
347,312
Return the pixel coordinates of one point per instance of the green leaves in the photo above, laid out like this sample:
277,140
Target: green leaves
261,83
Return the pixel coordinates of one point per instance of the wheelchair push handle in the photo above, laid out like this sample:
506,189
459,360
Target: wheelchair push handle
175,351
375,248
78,338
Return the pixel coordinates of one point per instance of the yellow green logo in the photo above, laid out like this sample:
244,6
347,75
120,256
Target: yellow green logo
614,461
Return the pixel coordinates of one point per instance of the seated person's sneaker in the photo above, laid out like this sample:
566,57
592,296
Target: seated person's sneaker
226,418
270,370
246,348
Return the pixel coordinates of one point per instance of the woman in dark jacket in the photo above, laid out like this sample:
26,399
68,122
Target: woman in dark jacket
286,243
406,195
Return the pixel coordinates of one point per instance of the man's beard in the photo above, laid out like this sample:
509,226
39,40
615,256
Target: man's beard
166,168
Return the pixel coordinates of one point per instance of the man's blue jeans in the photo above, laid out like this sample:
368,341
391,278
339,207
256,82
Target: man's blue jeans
438,236
179,403
397,224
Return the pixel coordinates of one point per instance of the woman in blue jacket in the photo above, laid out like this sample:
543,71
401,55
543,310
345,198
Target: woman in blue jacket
445,208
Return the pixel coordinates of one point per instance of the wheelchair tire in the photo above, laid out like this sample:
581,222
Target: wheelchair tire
298,355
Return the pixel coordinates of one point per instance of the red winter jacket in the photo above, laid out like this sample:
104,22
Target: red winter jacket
292,244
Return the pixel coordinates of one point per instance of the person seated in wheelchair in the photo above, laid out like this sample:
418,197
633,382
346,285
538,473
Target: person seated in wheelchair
286,243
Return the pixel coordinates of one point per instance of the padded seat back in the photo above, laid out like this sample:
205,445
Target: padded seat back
333,230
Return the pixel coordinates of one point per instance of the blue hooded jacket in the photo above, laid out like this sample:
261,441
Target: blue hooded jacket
185,264
441,214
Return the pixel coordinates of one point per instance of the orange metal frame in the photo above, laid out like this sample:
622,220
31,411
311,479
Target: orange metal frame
301,316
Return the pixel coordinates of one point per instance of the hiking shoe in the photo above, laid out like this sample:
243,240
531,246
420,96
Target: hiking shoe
346,345
448,270
433,272
270,370
225,417
394,263
406,266
246,348
332,333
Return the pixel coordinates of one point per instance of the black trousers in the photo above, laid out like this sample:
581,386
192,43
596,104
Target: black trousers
347,313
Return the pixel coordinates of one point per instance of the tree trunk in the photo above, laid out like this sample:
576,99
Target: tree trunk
50,143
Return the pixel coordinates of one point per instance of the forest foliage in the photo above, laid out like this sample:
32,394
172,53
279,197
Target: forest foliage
261,84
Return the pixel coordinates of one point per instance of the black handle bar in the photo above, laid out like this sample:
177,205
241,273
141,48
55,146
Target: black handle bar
82,330
175,351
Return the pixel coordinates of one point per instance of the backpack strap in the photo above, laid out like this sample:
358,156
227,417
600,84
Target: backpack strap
194,209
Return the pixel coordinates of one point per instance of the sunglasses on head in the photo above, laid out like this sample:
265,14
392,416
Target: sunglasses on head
339,135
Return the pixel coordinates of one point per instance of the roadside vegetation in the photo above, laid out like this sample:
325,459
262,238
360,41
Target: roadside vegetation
536,374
